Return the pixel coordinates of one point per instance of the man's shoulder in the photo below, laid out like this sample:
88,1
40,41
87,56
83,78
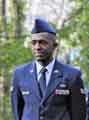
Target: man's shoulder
24,66
69,68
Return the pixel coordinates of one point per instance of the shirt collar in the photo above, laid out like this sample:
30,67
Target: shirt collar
49,67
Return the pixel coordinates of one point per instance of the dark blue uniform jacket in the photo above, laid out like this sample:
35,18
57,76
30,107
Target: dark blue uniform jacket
64,98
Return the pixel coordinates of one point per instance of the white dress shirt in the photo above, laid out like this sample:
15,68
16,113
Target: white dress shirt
49,68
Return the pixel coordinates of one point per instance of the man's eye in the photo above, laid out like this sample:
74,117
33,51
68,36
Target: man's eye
33,42
43,42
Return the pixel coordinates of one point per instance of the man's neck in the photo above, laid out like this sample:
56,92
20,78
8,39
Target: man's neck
45,62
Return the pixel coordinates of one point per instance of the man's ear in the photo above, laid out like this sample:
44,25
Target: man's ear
55,44
56,49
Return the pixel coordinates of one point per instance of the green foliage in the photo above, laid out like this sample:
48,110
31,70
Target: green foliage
12,53
76,34
12,50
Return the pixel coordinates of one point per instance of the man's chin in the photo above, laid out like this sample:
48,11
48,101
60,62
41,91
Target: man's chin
39,59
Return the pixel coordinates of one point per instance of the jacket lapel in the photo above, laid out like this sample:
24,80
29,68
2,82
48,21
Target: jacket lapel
34,83
55,79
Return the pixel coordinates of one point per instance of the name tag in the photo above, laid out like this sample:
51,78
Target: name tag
25,92
62,92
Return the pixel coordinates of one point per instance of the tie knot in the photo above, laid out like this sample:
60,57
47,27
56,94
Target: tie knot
43,70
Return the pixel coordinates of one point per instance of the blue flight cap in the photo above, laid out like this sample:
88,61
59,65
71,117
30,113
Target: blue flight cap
41,26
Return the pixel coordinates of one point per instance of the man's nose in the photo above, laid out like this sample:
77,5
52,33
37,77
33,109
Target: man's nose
37,45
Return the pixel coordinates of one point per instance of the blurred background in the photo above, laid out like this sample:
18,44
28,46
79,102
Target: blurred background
71,21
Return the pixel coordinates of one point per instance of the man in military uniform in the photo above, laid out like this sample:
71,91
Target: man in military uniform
45,89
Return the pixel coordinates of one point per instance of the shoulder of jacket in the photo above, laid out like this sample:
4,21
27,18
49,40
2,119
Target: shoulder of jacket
23,67
69,69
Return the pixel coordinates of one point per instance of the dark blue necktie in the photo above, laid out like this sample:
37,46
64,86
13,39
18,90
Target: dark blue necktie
42,81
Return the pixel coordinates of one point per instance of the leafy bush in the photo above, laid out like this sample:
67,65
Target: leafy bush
12,53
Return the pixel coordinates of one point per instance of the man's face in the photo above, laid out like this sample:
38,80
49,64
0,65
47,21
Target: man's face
43,49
